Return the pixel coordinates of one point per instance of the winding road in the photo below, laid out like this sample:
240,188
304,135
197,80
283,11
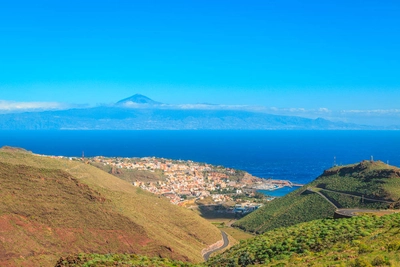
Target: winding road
225,238
365,198
319,193
347,212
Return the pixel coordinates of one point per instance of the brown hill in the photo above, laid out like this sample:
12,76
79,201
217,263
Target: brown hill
53,207
44,212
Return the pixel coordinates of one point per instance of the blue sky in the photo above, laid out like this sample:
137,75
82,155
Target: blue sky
338,55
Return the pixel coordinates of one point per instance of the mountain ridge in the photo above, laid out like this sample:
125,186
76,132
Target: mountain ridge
139,112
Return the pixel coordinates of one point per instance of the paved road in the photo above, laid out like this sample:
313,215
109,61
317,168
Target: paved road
226,243
352,212
319,193
344,211
365,198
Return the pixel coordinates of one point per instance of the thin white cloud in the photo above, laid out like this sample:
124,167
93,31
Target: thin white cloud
134,105
379,117
373,111
209,106
188,106
298,111
324,110
13,106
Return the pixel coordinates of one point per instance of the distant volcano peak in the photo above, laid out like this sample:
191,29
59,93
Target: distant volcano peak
137,99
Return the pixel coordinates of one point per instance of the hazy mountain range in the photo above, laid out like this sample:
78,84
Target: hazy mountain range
139,112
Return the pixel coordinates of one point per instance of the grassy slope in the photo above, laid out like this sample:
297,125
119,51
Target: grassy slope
356,242
132,175
121,260
375,180
372,179
47,212
359,241
175,231
298,206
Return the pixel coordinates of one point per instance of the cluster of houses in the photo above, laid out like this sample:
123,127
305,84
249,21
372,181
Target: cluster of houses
183,179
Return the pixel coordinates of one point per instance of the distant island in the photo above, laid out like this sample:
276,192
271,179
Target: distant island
139,112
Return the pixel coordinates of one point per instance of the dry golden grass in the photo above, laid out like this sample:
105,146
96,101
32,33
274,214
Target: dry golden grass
132,175
48,212
174,230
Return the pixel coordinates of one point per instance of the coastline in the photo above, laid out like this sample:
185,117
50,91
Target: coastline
183,180
261,153
272,184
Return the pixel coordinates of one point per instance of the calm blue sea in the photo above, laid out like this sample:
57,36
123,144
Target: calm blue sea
299,156
279,192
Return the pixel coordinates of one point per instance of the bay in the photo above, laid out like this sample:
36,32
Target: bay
278,192
298,156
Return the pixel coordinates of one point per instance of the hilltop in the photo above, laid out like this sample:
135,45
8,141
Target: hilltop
365,185
52,207
137,99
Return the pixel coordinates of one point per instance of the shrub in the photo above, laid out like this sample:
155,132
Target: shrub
361,263
245,259
363,248
394,246
378,260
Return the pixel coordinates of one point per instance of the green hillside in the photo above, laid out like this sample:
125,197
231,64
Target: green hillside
298,206
369,185
50,207
358,241
365,185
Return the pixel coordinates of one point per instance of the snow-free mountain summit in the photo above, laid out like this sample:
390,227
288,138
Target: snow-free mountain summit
137,99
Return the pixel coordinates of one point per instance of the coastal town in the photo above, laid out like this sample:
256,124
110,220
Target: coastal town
188,183
185,182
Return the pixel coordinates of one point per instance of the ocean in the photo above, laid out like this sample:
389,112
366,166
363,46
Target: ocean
298,156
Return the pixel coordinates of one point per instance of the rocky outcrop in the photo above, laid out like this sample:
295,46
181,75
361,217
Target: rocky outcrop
115,171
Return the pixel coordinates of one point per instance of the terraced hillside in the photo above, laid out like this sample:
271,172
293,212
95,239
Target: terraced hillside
51,207
370,185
